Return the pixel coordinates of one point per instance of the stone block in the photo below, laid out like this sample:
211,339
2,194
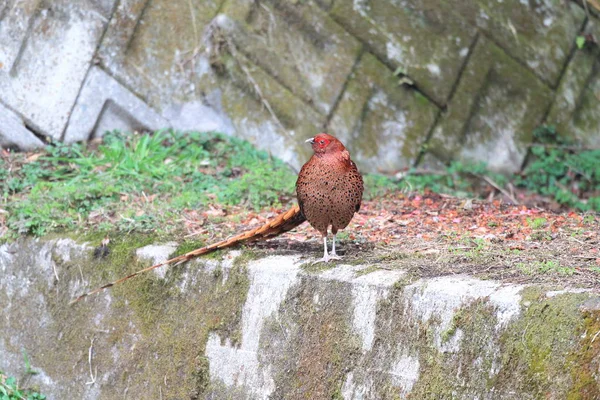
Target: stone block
575,108
45,51
383,123
497,105
155,48
104,105
13,132
266,113
299,45
419,38
14,30
538,33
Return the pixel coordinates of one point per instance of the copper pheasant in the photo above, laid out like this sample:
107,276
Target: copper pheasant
329,190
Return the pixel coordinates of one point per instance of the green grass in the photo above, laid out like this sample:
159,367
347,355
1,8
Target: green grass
536,223
544,267
128,176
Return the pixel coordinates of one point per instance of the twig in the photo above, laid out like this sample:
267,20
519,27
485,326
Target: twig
55,273
577,240
594,4
282,330
144,75
595,336
214,29
253,83
585,7
193,20
81,272
586,257
524,333
491,182
411,172
92,375
563,146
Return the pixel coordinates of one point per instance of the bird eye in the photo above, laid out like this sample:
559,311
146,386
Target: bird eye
321,142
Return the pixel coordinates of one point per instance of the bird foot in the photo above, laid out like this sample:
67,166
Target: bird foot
327,259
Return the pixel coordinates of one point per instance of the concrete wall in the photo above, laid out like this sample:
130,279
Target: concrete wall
483,73
239,327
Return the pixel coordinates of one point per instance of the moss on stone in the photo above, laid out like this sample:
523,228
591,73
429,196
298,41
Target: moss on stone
156,347
150,334
496,82
536,348
586,360
373,108
311,342
443,373
316,267
366,271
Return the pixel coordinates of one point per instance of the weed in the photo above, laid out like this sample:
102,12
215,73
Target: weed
543,267
561,171
540,236
10,390
479,244
378,185
144,182
558,169
28,369
536,223
589,219
366,271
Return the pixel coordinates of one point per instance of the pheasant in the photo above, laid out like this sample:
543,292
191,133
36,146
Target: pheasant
329,190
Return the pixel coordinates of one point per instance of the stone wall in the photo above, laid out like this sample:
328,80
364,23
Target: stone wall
266,327
464,79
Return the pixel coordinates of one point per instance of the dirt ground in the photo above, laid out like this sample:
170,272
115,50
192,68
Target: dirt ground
434,235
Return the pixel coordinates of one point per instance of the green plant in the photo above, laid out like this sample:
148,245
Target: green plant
378,185
563,172
28,369
536,223
10,390
589,219
542,267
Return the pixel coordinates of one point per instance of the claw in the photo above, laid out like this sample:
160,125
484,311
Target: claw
326,256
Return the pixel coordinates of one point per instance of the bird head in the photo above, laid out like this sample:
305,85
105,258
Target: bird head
324,143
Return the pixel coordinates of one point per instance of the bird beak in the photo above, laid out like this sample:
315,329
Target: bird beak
311,141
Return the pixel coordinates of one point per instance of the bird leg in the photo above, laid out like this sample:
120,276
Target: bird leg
333,255
326,256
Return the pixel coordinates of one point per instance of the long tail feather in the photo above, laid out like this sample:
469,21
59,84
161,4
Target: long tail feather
283,223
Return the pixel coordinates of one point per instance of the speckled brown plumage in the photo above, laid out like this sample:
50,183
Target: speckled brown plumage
329,188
